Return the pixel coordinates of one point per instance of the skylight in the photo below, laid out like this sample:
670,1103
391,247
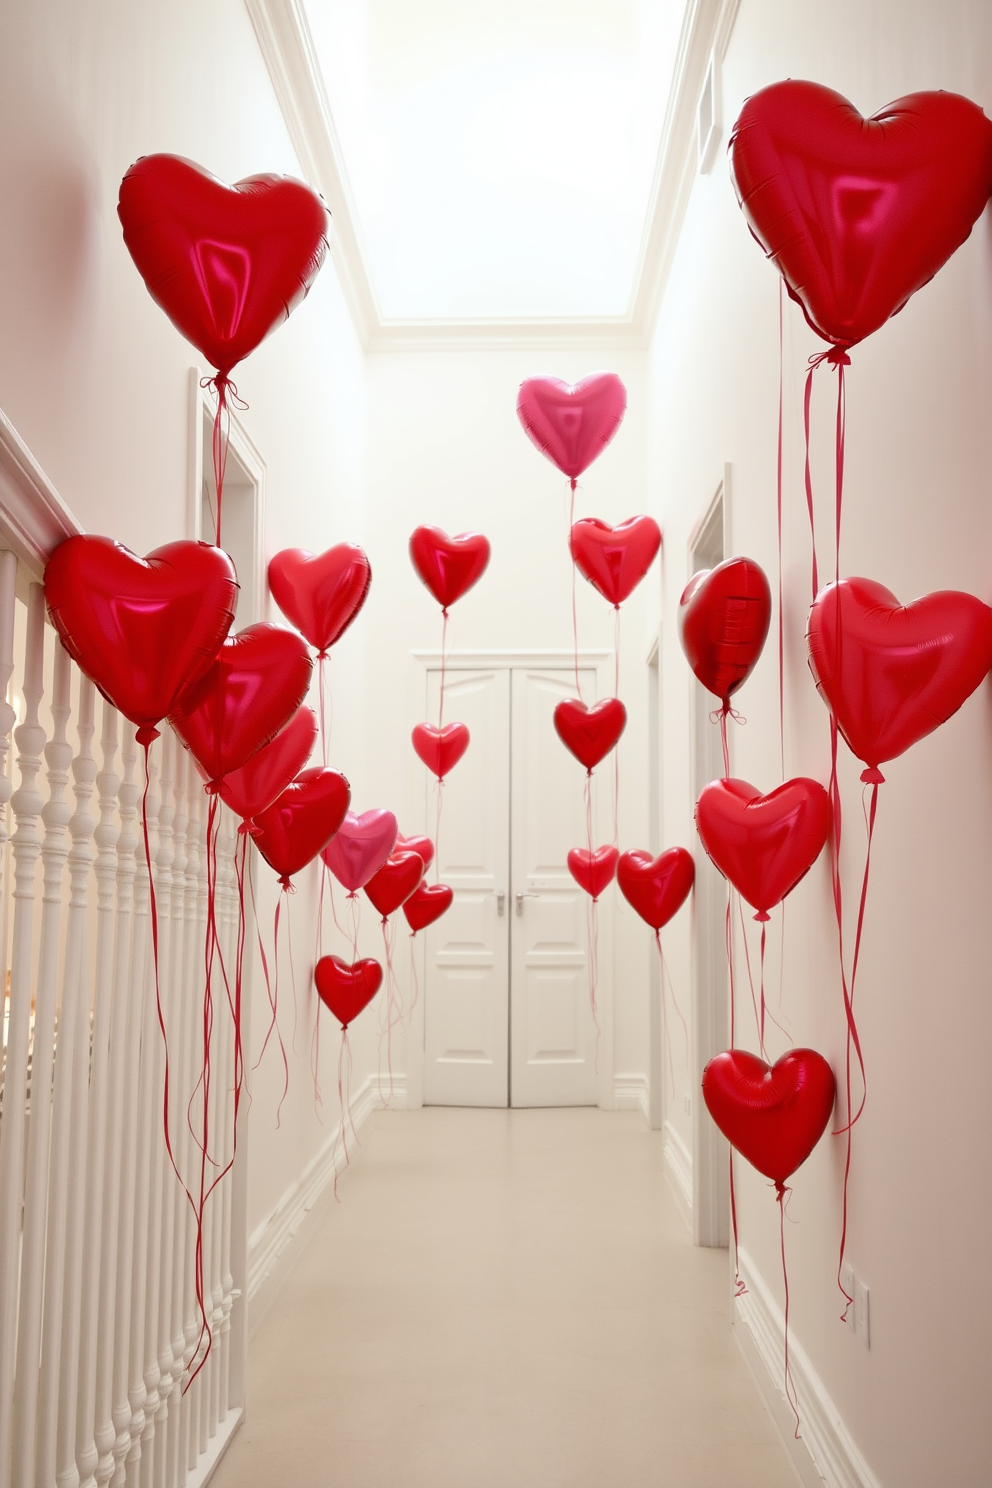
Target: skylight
500,153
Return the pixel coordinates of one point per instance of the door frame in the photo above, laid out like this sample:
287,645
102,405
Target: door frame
600,659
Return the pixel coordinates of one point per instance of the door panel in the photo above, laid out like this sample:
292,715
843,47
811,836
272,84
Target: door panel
552,1033
466,1008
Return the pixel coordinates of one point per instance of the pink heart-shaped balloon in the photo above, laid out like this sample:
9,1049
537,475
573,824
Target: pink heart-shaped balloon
763,844
590,733
614,559
656,887
347,990
360,846
294,829
272,768
449,566
440,749
321,593
593,871
773,1114
572,425
427,903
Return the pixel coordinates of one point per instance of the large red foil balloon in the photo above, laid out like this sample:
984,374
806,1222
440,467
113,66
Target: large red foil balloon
395,881
593,871
449,566
427,903
858,214
440,748
572,425
763,844
614,559
347,990
724,614
590,733
893,673
360,846
300,822
251,691
227,264
142,629
320,593
266,775
774,1115
418,844
656,887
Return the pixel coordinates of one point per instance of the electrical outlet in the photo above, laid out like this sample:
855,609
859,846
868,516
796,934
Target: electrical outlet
685,1103
847,1282
862,1322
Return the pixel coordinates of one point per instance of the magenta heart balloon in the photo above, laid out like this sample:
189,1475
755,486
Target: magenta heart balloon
360,847
572,425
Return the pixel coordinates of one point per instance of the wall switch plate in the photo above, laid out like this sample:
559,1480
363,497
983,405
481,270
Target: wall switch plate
862,1321
847,1282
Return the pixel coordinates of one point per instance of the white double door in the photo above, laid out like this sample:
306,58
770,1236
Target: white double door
507,1016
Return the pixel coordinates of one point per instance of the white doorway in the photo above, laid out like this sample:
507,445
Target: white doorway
507,1013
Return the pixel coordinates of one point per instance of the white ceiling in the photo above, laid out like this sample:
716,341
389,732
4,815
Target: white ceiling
499,154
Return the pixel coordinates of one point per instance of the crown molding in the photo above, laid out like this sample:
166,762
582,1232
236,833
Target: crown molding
287,48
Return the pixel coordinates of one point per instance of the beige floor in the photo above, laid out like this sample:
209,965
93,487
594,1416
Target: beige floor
503,1300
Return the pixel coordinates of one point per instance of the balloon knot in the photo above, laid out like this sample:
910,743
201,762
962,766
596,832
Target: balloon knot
780,1190
836,356
213,786
286,884
344,1027
146,735
352,895
873,776
762,916
244,829
323,655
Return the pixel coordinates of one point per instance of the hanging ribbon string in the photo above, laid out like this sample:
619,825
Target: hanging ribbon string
592,930
666,982
781,1191
318,1100
616,747
344,1098
274,1006
437,831
575,611
386,1029
778,466
292,965
414,976
227,397
739,1287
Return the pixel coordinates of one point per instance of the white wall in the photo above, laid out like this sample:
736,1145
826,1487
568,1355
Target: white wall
917,518
95,378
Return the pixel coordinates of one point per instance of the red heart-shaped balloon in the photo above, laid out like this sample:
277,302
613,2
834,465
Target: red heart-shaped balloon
590,733
892,673
345,989
142,629
449,566
227,264
292,831
614,559
422,845
858,213
724,614
360,846
320,593
427,903
593,871
773,1114
656,887
440,749
572,425
251,691
395,881
271,769
763,844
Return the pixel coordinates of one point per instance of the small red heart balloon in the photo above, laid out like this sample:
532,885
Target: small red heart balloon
440,749
724,614
449,566
572,425
360,846
614,559
422,845
590,733
593,871
271,769
395,881
320,593
142,629
858,213
227,264
773,1114
893,673
427,903
763,844
302,821
251,691
347,990
656,887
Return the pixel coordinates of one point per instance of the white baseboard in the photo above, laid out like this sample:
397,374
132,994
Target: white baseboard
217,1445
630,1093
276,1244
678,1163
827,1452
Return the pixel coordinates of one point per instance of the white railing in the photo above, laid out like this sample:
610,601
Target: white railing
99,1323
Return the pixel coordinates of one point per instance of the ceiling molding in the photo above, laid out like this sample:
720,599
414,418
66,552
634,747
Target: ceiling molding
287,48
